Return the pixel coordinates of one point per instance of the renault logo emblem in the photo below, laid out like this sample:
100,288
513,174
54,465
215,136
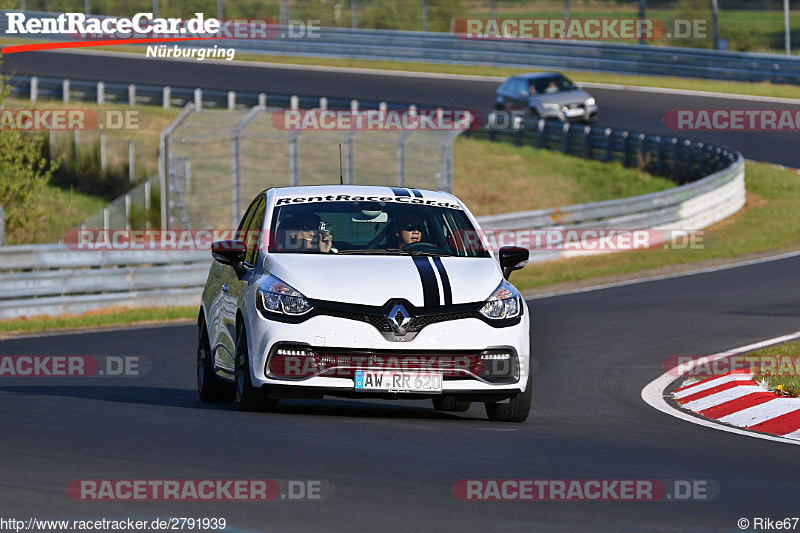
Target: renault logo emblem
399,319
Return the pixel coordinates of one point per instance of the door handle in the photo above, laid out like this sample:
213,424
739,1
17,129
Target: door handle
225,287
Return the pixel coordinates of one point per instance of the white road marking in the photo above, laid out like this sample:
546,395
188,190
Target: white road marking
689,92
636,281
653,393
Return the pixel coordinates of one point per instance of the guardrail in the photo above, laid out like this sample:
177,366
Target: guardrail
101,92
551,54
52,279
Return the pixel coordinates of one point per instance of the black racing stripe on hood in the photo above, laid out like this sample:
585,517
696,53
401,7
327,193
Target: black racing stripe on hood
430,289
448,292
416,193
400,192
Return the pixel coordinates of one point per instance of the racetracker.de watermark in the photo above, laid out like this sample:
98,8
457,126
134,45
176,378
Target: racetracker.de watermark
198,489
549,490
593,29
710,366
732,119
73,119
73,366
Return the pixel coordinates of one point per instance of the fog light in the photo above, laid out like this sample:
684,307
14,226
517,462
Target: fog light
297,352
495,356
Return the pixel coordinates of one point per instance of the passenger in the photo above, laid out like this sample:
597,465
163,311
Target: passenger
302,234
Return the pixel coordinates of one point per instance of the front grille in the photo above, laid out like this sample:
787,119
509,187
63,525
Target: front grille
381,322
343,362
419,322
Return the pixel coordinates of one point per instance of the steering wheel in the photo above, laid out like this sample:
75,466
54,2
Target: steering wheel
421,247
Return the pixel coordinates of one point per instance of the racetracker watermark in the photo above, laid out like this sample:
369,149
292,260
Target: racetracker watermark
198,489
579,240
710,366
733,119
376,120
554,239
599,29
290,363
548,490
73,119
73,366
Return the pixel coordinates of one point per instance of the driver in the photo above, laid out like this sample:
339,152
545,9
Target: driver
408,229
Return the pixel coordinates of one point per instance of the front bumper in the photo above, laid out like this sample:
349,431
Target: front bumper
578,113
469,335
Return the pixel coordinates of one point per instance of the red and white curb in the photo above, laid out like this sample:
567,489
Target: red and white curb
730,399
737,399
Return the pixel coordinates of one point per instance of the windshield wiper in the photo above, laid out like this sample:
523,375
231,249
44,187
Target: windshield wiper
390,251
363,251
414,252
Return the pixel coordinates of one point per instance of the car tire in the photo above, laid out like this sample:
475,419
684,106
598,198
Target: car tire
247,397
450,403
517,408
209,387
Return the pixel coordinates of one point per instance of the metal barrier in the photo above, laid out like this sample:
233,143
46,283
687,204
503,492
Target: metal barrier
52,279
680,159
550,54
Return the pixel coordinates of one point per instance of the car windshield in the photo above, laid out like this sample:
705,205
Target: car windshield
550,85
373,228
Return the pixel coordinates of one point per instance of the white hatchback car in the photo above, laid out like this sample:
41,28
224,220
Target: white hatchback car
364,292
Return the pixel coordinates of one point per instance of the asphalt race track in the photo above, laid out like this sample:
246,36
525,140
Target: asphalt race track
392,465
639,111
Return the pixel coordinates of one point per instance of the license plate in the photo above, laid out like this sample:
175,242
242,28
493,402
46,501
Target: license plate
574,112
396,381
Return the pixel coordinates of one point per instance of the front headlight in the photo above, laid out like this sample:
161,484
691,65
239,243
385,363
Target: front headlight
278,297
505,302
551,107
589,101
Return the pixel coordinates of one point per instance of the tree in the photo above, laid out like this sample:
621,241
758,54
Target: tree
24,172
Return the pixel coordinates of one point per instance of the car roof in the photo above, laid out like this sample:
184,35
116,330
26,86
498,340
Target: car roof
535,75
361,190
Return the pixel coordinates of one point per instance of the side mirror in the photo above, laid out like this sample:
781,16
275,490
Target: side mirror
228,252
513,258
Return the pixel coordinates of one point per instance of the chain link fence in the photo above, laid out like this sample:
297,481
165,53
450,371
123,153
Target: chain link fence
216,161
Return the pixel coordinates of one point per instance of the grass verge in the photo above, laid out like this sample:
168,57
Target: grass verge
485,172
784,383
97,319
58,210
768,222
663,82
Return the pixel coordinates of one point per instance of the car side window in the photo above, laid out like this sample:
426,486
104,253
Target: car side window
254,233
248,215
